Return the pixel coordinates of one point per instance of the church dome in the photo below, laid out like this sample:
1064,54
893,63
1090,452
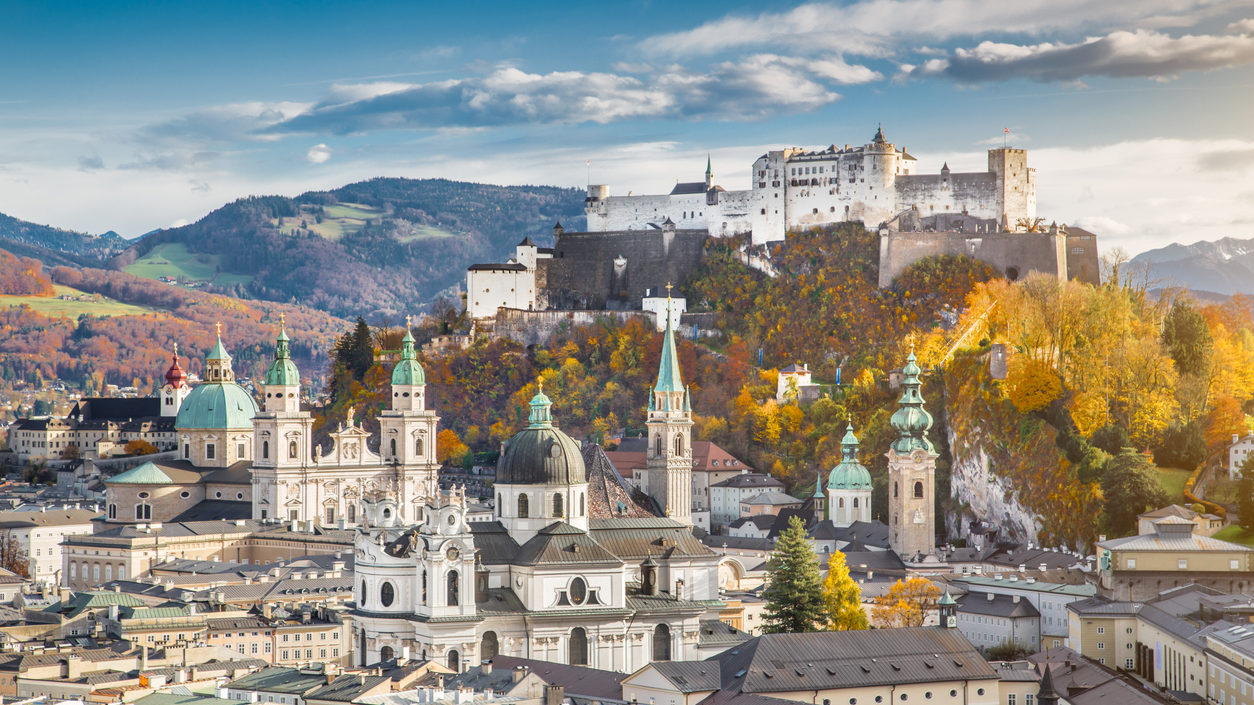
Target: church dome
911,421
849,474
214,405
408,372
282,372
541,454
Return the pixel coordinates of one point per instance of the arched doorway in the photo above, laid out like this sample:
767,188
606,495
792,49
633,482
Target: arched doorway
578,647
661,643
489,647
385,654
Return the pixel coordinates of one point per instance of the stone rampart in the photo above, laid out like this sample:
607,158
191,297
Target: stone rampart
1012,254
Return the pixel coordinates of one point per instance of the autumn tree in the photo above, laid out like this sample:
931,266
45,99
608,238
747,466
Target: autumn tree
1130,487
1245,494
449,447
1033,384
794,592
139,446
842,598
12,556
906,603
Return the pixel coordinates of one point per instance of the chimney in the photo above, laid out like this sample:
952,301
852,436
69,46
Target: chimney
1015,598
519,673
554,694
143,657
679,589
485,667
1236,437
991,596
73,667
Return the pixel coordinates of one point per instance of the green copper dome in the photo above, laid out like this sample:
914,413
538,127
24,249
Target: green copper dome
282,371
216,405
408,372
911,421
849,474
145,474
219,351
541,454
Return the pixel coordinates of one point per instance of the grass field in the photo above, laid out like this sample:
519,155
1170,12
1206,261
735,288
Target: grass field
175,260
58,307
1172,481
349,218
1236,534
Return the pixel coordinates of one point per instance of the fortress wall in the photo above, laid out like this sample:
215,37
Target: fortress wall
977,193
737,212
1013,255
581,274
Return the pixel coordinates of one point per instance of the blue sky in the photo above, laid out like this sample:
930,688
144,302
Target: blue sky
133,116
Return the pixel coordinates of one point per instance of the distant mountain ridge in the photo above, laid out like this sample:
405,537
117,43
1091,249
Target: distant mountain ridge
1224,266
55,246
380,248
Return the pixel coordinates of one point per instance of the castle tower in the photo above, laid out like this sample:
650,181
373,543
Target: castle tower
1016,185
175,389
408,429
849,485
669,423
282,432
709,173
911,473
881,162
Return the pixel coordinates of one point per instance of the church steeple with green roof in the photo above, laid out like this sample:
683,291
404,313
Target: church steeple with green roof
218,361
669,423
911,420
282,372
669,391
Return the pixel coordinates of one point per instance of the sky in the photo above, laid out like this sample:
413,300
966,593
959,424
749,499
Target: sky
134,116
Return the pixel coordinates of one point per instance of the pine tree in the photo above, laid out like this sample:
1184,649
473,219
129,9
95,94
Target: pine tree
794,593
842,598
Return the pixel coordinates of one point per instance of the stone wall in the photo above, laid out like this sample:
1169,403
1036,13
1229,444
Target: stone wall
614,270
1013,255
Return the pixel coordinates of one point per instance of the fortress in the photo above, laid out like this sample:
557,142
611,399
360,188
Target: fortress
795,188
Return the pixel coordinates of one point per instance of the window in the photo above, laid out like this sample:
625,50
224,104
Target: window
265,449
424,587
113,511
143,512
1011,699
211,451
581,504
453,585
918,490
291,450
557,505
661,643
578,591
657,445
1101,630
679,444
187,451
577,647
1131,563
387,594
489,647
1182,564
418,447
284,655
523,509
239,450
392,445
267,647
1101,645
1234,564
1128,664
330,512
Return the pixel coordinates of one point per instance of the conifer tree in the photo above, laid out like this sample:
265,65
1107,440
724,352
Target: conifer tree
842,598
794,592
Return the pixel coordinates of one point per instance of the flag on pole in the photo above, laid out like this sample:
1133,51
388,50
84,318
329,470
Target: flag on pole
1007,130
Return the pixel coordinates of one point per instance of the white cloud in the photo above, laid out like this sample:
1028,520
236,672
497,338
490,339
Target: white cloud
318,154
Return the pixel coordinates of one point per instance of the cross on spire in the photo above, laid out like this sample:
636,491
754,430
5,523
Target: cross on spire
218,327
282,319
176,350
668,290
409,322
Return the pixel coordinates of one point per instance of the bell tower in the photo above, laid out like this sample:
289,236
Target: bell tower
282,433
669,423
175,389
408,429
911,472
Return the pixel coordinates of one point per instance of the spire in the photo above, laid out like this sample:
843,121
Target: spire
849,445
219,351
281,350
668,377
175,376
541,408
407,371
709,171
911,421
879,134
687,399
1047,695
218,361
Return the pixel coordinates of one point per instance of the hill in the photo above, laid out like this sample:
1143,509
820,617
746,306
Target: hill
329,249
1224,266
55,246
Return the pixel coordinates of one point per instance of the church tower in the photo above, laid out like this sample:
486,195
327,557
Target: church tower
911,473
669,423
849,485
283,432
175,389
408,428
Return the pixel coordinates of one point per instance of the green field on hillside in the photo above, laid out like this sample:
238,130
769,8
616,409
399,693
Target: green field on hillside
77,303
175,260
1172,481
348,218
1233,533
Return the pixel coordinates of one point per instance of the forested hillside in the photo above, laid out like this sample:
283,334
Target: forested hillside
378,248
55,245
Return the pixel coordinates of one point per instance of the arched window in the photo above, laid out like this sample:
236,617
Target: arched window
581,504
489,647
661,643
265,449
840,502
454,661
113,511
523,506
657,445
108,572
577,648
385,654
393,447
679,444
918,490
500,504
855,502
557,505
453,584
73,571
95,572
424,587
362,603
894,489
291,450
418,447
387,594
143,512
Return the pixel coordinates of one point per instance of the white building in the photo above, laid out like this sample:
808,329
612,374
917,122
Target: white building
1049,599
796,188
40,533
1240,449
510,284
727,496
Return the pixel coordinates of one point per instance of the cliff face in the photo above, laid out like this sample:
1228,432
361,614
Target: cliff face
1007,468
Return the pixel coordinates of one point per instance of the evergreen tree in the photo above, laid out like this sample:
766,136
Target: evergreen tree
842,598
1187,338
794,593
361,352
1130,487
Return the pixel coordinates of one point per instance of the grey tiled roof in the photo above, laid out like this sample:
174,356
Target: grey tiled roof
561,543
999,606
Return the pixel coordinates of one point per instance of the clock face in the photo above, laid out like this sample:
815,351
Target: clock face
453,553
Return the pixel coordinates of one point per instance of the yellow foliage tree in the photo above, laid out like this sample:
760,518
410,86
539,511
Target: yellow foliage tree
842,598
1089,412
449,447
906,603
1032,383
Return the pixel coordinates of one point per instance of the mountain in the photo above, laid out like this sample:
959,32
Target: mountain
379,248
1223,266
55,246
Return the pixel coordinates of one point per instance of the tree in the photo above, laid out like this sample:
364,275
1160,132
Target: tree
906,603
449,447
842,598
1130,487
1187,338
1245,494
12,555
1033,384
1183,446
139,447
794,593
70,452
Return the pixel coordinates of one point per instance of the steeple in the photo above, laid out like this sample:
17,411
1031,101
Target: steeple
669,423
668,376
408,373
879,135
282,372
709,172
218,361
541,408
175,376
911,421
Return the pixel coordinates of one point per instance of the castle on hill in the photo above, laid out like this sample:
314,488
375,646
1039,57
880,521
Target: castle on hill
797,188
